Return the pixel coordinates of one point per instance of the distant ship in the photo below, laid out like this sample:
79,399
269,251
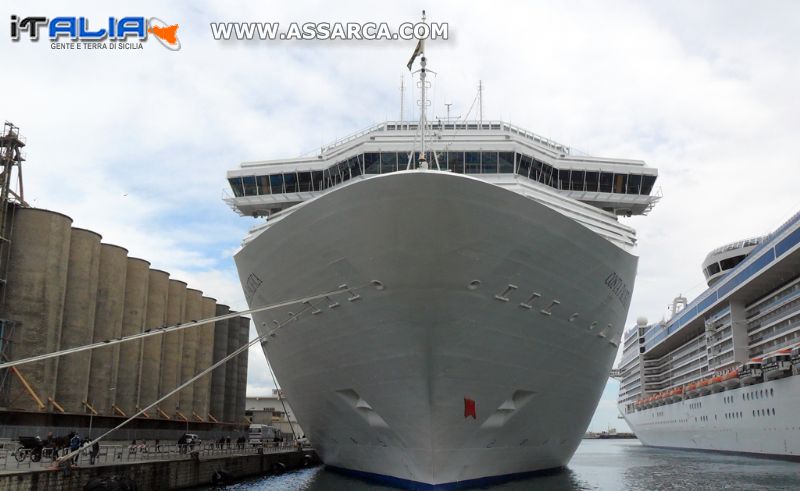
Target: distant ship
498,282
723,373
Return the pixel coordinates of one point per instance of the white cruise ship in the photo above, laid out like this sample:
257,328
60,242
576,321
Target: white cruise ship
502,280
723,374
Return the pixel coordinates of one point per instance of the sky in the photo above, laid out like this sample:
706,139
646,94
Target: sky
134,144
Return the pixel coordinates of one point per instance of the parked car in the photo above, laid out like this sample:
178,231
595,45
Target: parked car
189,439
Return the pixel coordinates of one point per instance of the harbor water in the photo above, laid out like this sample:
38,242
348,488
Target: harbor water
597,465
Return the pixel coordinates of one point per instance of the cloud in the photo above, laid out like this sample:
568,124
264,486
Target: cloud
135,144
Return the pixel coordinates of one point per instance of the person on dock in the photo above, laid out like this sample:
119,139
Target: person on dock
75,444
94,452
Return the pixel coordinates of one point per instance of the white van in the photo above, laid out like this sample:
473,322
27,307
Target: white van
262,434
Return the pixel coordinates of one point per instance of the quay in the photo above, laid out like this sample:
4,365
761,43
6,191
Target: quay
148,467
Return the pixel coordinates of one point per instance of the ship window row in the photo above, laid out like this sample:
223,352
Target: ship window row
733,415
477,162
792,290
764,412
724,265
790,307
778,334
758,394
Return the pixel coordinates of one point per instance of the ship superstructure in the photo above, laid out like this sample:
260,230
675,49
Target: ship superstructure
721,373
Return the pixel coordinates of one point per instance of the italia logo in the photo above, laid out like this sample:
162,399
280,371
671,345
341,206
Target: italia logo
124,30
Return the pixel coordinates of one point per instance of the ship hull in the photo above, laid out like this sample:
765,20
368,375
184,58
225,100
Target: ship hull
383,385
760,419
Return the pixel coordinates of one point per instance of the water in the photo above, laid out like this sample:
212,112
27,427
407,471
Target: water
598,464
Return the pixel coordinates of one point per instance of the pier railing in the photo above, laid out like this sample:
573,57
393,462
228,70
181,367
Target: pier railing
120,453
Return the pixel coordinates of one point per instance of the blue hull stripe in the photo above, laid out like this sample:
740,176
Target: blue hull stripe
397,482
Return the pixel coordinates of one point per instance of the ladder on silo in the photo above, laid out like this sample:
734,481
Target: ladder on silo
11,144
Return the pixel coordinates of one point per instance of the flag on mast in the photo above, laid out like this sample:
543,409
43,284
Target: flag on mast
417,51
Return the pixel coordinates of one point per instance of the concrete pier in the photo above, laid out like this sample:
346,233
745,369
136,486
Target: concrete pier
187,471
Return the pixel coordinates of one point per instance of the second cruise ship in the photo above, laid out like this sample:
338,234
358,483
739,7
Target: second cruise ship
723,373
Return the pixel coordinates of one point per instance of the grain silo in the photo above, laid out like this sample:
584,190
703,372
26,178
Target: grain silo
150,372
77,323
34,300
231,370
217,393
170,352
205,356
134,313
241,384
107,325
188,350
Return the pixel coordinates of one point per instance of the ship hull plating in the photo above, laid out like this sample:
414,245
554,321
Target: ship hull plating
759,419
383,384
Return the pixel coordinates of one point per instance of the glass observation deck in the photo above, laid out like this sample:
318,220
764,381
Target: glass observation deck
491,149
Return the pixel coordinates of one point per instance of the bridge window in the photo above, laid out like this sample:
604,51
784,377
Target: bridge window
577,180
619,182
455,160
731,262
505,161
372,163
344,171
523,165
290,182
355,166
236,186
263,184
388,162
647,184
592,181
250,187
563,179
472,162
316,180
548,175
304,182
634,183
276,182
489,164
606,182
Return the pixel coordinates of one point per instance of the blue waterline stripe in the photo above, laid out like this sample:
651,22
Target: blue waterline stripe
399,483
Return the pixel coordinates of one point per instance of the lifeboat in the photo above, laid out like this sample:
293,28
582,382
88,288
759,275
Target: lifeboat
715,384
731,379
678,393
751,372
796,360
778,364
691,390
703,386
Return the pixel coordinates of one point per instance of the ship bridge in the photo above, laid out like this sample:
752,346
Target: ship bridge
494,151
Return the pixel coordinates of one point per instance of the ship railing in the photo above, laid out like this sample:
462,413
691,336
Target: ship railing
466,125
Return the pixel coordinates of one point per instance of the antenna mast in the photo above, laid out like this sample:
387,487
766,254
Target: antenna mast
480,101
423,164
402,95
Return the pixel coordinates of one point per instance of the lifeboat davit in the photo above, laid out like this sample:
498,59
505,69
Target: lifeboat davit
777,365
703,386
796,360
731,379
751,372
715,384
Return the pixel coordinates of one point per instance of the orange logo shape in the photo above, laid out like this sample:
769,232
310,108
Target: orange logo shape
168,34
